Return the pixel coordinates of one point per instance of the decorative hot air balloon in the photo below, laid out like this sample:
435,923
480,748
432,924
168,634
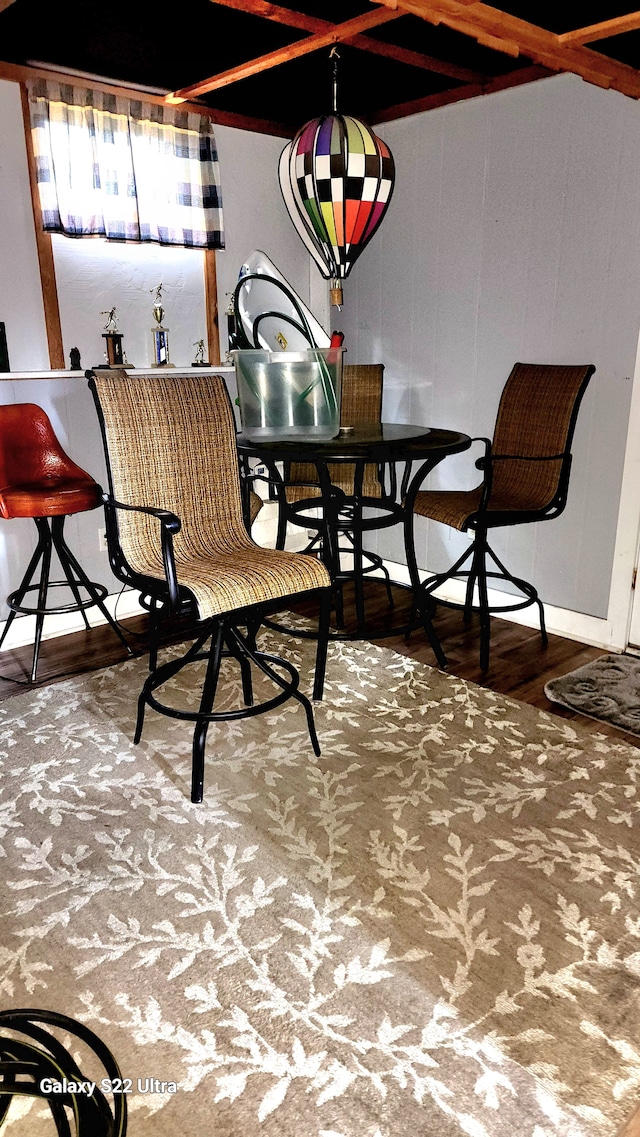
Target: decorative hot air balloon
336,178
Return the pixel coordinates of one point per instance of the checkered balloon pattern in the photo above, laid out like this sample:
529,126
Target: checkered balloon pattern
336,178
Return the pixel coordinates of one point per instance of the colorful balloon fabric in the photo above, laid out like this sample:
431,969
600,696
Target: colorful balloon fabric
336,178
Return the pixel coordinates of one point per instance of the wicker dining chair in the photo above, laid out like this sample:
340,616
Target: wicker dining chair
176,533
526,478
361,403
39,480
255,505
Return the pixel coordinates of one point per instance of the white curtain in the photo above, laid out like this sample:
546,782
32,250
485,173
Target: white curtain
124,169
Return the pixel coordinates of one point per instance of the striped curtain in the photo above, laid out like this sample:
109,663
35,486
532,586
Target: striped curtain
124,169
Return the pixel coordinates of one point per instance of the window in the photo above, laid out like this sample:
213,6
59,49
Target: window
123,169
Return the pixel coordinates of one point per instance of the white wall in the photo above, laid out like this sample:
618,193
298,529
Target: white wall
20,294
94,275
514,234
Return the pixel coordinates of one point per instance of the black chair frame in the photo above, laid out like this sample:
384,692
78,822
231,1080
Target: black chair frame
169,597
480,521
50,538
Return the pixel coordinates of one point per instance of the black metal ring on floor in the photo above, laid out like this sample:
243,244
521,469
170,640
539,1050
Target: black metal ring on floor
530,593
166,671
366,632
29,610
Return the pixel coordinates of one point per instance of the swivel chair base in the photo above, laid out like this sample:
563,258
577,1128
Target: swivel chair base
50,536
477,576
226,642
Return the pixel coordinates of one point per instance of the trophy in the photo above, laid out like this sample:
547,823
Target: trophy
114,354
159,334
232,330
200,360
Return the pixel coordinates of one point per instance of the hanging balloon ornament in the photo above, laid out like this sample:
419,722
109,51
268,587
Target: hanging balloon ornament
336,178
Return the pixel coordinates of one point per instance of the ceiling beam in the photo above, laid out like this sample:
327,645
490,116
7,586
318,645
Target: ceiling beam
503,32
459,94
616,27
278,15
18,73
338,34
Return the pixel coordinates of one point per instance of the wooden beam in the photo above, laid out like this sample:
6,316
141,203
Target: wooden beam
286,16
616,27
45,252
17,73
460,94
5,4
479,21
338,34
211,305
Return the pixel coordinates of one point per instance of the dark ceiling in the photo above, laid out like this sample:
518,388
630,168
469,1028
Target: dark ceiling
406,64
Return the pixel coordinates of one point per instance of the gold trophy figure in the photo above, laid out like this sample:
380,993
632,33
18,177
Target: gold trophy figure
199,360
114,355
160,335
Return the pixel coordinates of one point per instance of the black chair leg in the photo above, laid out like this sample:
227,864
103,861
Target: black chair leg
524,587
69,561
42,604
18,596
543,626
154,634
206,704
243,662
260,659
480,559
421,597
358,581
322,644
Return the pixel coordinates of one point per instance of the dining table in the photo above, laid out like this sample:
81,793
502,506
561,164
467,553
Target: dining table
404,454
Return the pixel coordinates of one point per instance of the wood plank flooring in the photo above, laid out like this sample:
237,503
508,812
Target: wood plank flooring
520,665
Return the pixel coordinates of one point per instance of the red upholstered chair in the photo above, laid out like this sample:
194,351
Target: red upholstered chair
38,480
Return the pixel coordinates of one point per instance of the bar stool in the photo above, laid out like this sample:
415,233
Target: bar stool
38,480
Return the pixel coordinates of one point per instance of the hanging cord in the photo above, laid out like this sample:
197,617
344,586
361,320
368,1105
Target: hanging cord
334,55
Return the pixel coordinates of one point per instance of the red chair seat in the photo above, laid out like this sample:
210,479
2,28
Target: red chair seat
39,480
37,477
49,498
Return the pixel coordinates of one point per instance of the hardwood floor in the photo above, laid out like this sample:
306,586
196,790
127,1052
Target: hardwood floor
520,665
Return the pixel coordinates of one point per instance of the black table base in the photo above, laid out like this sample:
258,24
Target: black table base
342,518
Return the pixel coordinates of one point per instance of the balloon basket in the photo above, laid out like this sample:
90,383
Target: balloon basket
289,394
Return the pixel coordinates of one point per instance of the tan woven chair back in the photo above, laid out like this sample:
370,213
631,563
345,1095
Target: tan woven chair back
361,403
536,418
171,444
361,393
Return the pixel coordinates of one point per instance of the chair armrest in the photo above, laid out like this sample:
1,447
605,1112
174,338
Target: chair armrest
481,462
170,524
487,462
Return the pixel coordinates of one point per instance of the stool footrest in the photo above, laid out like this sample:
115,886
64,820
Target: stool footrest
50,537
58,609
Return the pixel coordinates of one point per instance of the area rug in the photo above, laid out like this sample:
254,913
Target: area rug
432,929
607,689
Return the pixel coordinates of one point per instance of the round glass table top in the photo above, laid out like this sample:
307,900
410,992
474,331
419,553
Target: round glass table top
383,441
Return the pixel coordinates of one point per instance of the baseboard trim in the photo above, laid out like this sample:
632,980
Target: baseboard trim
23,630
560,621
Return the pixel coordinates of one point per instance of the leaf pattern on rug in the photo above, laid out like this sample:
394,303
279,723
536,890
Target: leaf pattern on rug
432,928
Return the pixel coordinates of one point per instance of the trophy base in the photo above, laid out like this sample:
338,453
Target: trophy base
114,366
162,366
203,364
